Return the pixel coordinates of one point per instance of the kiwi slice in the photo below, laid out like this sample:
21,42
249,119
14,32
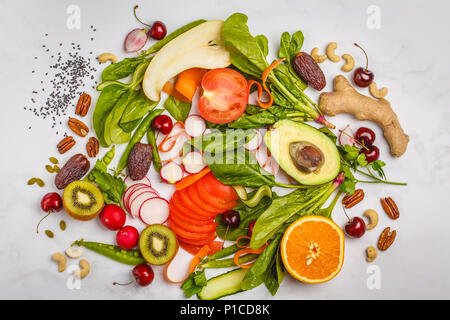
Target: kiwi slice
82,200
158,244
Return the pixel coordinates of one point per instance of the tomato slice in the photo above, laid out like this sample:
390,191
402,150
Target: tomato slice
224,97
191,248
193,196
197,242
177,205
221,204
190,205
194,236
189,224
217,189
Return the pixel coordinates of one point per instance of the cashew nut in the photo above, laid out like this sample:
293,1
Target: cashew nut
317,57
62,261
349,63
84,269
74,253
371,253
332,46
377,93
104,57
373,218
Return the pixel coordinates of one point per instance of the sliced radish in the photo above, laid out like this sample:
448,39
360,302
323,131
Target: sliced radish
154,211
266,161
138,192
135,40
347,137
193,162
130,182
129,191
255,142
195,125
171,172
135,205
178,269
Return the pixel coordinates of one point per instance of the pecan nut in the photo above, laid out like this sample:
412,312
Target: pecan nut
390,207
350,200
92,147
65,144
83,105
78,127
386,239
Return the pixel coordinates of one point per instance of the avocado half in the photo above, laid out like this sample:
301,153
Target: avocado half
286,134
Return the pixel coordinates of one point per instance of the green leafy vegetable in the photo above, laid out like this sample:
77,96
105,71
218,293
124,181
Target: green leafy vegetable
136,109
177,109
121,69
194,283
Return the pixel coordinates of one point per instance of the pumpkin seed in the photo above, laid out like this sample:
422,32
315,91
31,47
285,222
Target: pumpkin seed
49,168
55,168
53,160
62,225
31,181
49,233
40,183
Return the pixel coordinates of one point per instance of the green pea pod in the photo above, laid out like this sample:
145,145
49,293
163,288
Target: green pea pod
130,257
152,141
225,252
225,263
103,163
137,137
263,191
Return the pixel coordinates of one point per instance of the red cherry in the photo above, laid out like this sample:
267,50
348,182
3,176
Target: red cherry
250,227
372,153
355,227
231,218
363,77
51,202
365,136
143,274
113,217
127,237
158,30
162,123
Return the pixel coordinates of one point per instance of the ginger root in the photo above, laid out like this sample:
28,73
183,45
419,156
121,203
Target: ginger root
345,99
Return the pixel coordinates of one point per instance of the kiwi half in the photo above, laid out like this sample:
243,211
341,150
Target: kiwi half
82,200
158,244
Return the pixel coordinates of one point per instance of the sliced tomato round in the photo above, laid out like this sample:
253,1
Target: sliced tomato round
186,202
194,236
191,248
217,189
193,196
177,205
190,224
197,242
221,204
224,97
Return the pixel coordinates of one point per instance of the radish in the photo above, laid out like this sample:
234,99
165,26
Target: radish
171,172
178,269
347,137
193,162
154,211
135,206
137,193
266,161
130,182
135,40
255,142
195,125
129,191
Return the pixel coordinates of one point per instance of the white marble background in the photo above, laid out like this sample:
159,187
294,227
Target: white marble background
409,55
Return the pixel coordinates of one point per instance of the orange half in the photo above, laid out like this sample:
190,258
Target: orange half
312,249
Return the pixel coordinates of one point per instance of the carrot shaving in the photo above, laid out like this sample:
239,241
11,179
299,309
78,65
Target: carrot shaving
201,254
191,179
264,76
245,251
243,246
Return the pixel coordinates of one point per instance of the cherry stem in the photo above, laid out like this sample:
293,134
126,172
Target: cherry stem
361,144
367,58
123,284
37,227
135,7
345,212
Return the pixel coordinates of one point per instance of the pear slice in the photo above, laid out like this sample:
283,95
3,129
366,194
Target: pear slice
199,47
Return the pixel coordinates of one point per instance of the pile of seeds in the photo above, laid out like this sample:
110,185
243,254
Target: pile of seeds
70,73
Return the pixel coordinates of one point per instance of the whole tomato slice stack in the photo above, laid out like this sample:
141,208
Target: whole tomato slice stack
224,97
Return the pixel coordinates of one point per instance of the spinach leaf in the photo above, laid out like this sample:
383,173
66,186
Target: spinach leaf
194,283
263,44
281,209
178,109
245,50
256,275
290,46
275,274
105,103
121,69
218,142
112,132
135,111
239,167
329,134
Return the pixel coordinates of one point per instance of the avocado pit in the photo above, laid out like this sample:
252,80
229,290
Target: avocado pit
306,156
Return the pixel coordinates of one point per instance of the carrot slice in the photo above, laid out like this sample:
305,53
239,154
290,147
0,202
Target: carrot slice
201,254
245,251
265,74
187,181
188,81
